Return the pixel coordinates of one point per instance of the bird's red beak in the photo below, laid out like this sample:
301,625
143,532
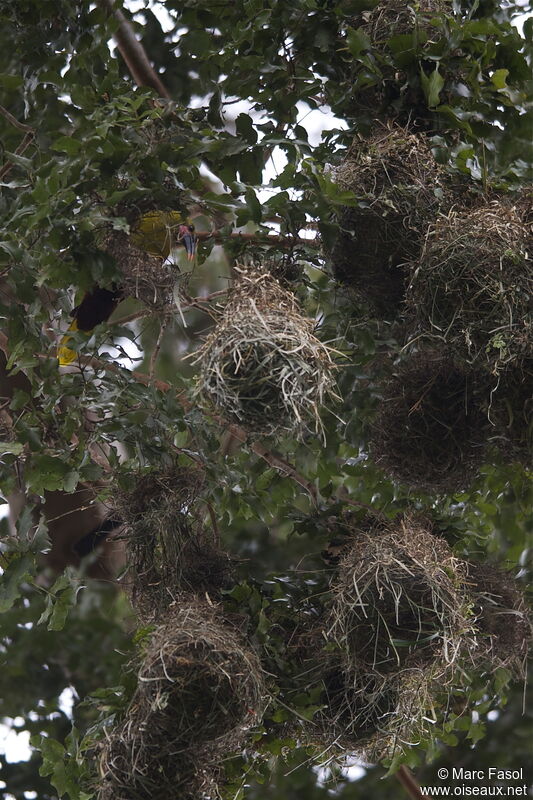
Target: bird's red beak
188,239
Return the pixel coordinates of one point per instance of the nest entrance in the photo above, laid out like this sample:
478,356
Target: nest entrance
263,367
197,682
356,708
399,188
511,410
431,429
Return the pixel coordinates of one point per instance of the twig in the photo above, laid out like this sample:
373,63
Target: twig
284,466
238,433
144,312
133,52
407,780
14,121
214,523
28,138
343,495
157,348
261,238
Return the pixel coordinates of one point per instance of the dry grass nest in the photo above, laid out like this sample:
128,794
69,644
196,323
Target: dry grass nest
504,618
392,92
144,277
374,716
401,626
473,284
399,188
132,768
409,620
400,600
510,411
431,428
396,18
262,367
200,691
170,550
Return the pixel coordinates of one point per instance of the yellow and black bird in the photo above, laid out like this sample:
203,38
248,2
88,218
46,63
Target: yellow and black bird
157,233
96,307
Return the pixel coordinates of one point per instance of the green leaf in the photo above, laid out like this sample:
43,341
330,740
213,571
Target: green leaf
245,128
357,41
59,601
20,569
432,86
10,81
15,448
67,144
253,204
71,480
62,768
499,78
46,473
20,160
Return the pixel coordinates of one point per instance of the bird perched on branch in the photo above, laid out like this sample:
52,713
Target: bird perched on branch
96,307
157,233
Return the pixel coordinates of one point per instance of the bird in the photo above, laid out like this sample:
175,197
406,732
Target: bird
155,232
96,306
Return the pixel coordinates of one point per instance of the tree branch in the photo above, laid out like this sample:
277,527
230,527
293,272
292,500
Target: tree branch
238,433
133,52
16,124
30,133
409,783
261,238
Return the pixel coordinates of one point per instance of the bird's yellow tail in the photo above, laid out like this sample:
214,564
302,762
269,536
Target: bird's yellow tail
65,355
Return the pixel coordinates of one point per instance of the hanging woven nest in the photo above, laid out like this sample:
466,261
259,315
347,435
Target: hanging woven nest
504,619
396,18
170,551
132,767
387,82
400,599
375,717
200,691
408,620
399,189
262,367
146,277
431,428
510,411
473,284
404,624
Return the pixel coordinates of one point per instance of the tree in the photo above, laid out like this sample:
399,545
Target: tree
254,504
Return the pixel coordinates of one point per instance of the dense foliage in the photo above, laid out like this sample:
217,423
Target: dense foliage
83,147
